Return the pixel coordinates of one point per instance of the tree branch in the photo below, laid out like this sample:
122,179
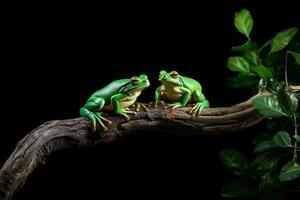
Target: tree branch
60,134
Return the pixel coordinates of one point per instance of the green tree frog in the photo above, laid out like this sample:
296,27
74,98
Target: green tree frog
179,91
117,96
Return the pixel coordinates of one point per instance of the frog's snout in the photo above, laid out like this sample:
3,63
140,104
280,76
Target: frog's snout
162,75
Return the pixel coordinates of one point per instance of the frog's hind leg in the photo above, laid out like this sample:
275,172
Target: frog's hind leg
201,103
86,113
92,110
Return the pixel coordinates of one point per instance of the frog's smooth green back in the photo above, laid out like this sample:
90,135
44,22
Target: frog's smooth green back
110,89
190,83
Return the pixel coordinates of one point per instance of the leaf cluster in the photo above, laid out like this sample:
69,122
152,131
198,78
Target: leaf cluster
274,169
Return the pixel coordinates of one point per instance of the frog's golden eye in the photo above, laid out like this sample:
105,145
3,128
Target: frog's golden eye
174,74
135,80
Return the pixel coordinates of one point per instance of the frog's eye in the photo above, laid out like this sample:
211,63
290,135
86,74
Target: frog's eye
144,77
174,74
135,80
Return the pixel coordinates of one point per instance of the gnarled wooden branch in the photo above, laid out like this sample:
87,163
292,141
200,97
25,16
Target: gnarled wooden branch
60,134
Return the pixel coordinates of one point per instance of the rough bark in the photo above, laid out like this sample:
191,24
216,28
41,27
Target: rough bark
60,134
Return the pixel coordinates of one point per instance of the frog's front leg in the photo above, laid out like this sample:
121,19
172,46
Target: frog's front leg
201,103
116,101
158,97
92,110
186,95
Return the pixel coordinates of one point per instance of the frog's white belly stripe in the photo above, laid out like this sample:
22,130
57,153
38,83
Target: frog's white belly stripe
126,102
123,104
171,93
171,96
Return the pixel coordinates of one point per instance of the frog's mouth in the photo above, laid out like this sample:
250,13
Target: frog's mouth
169,82
140,88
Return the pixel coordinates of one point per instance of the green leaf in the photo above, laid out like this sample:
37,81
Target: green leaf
282,39
288,102
284,101
268,106
297,58
248,46
263,72
289,171
243,22
297,137
234,161
240,188
269,179
241,81
282,139
252,57
238,64
265,163
265,145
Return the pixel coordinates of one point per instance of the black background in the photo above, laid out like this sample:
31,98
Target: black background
55,56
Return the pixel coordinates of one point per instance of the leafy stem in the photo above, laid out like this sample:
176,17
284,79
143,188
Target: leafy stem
285,66
285,69
294,118
295,135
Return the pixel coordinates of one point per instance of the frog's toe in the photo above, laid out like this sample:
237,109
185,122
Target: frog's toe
144,106
94,125
126,117
191,111
103,118
130,112
104,128
196,110
175,105
200,110
170,105
123,114
92,117
162,103
137,106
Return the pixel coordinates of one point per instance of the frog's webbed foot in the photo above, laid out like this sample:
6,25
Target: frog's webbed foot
138,106
97,118
125,113
175,105
196,110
